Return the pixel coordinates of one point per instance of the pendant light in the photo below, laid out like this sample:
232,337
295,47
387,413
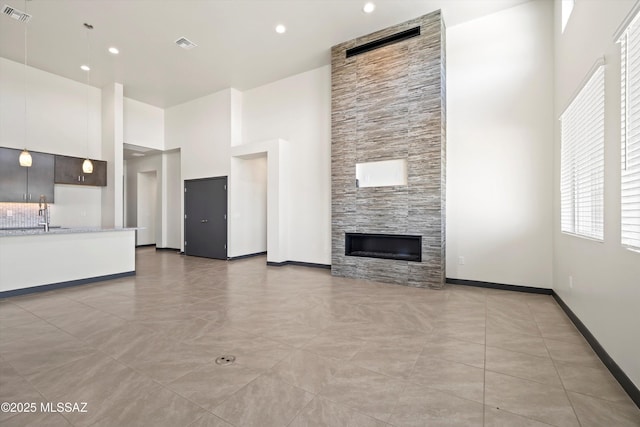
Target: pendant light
25,157
87,165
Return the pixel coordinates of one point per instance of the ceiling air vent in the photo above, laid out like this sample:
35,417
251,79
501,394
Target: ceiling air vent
16,14
185,43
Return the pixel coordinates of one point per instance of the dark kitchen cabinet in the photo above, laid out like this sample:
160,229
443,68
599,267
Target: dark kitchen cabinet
22,184
68,170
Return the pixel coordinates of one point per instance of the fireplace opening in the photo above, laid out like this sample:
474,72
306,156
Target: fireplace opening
387,246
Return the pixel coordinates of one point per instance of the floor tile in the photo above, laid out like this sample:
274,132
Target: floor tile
530,399
210,420
455,378
36,419
160,407
15,388
265,401
306,370
43,352
571,352
365,391
422,406
497,418
13,315
594,380
388,359
209,386
10,332
529,344
561,330
521,365
454,350
334,345
321,412
593,412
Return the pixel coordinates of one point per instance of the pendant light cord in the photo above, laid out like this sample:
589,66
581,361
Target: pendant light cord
25,77
88,80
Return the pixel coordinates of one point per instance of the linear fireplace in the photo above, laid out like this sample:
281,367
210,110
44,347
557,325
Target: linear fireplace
387,246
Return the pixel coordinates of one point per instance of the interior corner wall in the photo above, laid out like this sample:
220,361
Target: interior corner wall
248,206
56,123
297,109
606,277
112,152
143,124
133,167
500,146
171,199
201,129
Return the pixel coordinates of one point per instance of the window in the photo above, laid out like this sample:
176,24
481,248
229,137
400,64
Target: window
582,161
630,167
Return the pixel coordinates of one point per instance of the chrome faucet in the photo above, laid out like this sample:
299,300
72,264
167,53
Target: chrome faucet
43,211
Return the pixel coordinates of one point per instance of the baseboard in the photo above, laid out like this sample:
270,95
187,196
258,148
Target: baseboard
60,285
616,371
145,246
168,249
235,258
501,286
298,263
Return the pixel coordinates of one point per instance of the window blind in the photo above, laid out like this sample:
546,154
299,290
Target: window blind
582,161
630,150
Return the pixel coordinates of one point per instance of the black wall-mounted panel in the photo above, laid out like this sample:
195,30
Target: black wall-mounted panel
387,246
385,41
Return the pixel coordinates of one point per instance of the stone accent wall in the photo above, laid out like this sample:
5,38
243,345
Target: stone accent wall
389,103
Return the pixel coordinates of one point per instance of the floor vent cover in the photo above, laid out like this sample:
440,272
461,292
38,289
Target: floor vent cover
225,360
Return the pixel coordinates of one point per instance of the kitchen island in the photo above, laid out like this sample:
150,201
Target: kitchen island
33,260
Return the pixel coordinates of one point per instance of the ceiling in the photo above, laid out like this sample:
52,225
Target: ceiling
237,44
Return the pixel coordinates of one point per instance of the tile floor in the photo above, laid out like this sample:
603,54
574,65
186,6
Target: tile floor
311,350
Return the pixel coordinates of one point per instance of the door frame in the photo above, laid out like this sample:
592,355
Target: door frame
225,178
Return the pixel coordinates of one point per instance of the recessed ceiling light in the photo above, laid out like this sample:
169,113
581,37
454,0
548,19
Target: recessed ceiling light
85,67
114,50
369,7
281,29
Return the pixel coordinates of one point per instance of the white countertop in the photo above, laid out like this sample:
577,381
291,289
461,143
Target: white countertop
58,230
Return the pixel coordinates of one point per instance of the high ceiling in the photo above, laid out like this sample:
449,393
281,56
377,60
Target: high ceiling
237,44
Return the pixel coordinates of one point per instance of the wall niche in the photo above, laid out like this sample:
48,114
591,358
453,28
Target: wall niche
388,103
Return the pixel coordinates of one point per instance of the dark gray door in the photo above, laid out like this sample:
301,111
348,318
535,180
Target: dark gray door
205,222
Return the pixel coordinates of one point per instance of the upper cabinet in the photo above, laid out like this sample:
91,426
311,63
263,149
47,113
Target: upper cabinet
22,184
68,170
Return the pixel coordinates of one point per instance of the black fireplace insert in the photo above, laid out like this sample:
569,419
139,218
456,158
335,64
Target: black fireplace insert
387,246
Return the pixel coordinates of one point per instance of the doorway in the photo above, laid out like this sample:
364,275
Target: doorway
205,222
147,207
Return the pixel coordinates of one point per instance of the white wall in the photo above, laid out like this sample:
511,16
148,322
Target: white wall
500,146
147,164
112,152
143,124
172,198
248,206
57,124
606,277
298,110
201,129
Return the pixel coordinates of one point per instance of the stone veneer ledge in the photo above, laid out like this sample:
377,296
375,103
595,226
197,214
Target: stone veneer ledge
389,103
